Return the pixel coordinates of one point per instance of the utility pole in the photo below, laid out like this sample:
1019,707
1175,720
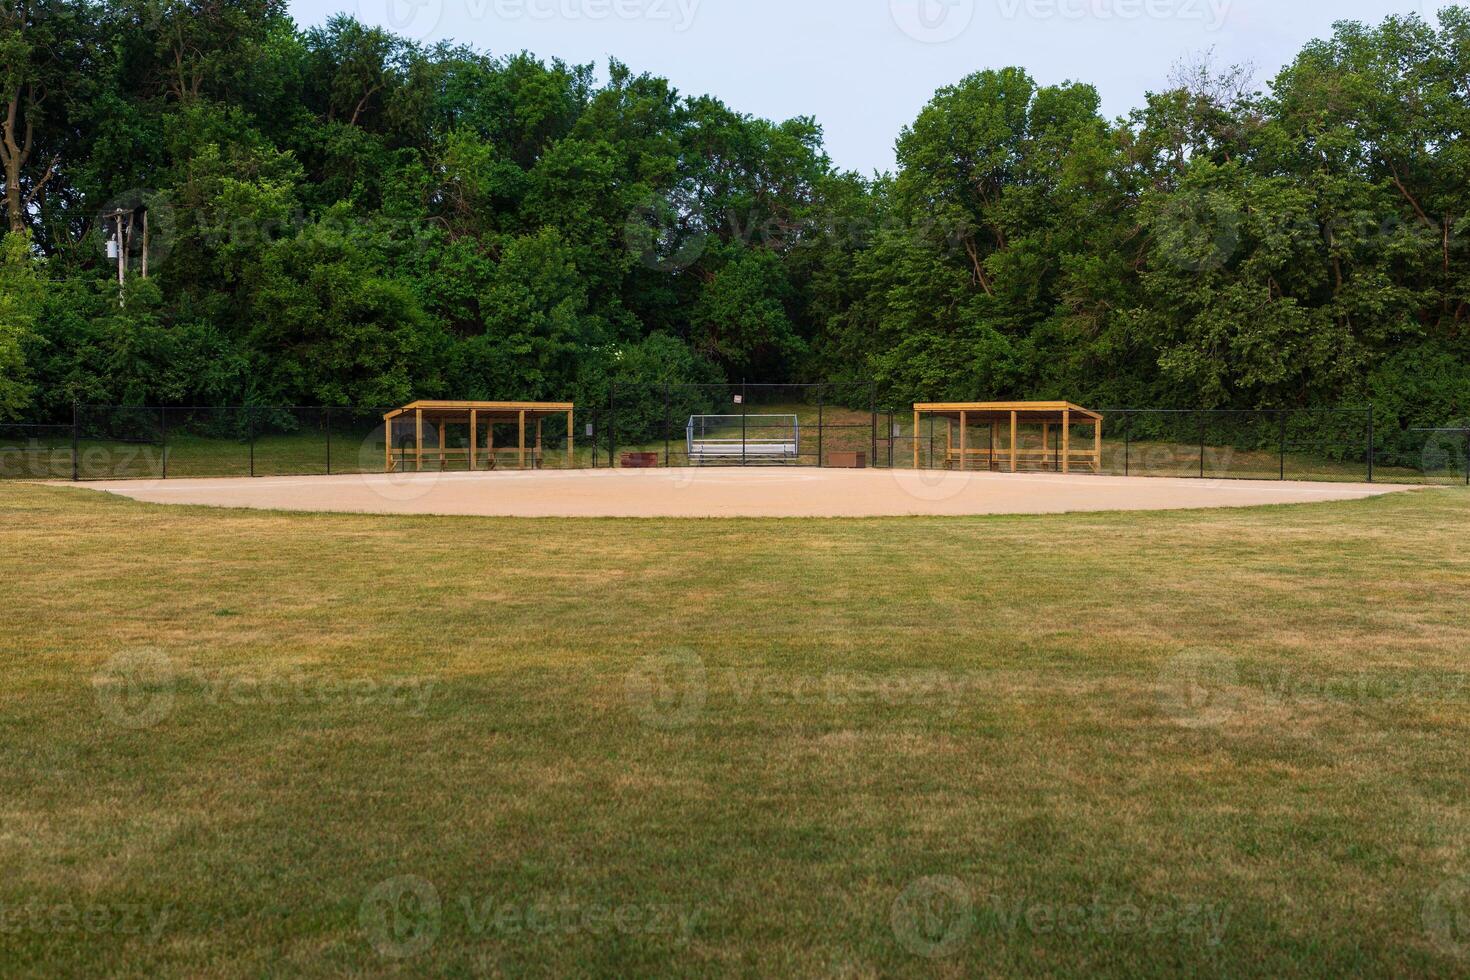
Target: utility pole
122,256
123,240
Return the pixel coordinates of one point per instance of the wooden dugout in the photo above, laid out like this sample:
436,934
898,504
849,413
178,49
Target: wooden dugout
1004,449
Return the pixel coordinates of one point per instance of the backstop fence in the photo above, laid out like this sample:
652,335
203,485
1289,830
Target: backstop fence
728,425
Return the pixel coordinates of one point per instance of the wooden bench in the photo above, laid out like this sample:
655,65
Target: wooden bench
1029,460
640,461
405,460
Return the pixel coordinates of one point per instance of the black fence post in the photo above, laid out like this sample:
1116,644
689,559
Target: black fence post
821,420
668,422
743,409
163,438
76,439
873,408
1467,457
1370,443
328,423
1282,415
1127,442
250,430
891,437
1202,445
612,416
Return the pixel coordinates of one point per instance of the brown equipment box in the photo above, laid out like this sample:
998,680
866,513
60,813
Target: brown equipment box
847,461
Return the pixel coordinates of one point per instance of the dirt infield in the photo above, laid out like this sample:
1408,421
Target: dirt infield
728,493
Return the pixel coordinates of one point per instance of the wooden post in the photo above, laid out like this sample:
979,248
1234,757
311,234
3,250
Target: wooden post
441,446
418,438
571,440
1045,442
1097,447
1014,461
388,446
536,460
993,463
1066,440
948,443
523,438
916,440
474,439
490,442
964,456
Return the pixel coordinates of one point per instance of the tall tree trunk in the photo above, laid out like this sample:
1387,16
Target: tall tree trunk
13,155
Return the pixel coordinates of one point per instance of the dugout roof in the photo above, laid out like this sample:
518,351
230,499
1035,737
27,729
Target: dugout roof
1029,412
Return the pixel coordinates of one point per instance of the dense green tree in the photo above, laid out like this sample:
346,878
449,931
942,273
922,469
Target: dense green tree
21,297
340,215
341,330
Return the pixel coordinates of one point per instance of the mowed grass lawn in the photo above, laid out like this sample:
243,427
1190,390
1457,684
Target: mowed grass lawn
243,743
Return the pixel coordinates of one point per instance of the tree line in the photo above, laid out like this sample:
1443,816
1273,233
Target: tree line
205,203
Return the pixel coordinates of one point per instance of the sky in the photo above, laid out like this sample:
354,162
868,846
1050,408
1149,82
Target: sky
864,68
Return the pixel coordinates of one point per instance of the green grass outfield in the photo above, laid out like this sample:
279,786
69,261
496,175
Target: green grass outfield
1224,743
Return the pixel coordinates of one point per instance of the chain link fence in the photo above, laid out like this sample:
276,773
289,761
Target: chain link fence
728,425
742,424
1334,445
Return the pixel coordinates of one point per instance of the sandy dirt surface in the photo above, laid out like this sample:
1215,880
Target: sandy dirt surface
727,493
